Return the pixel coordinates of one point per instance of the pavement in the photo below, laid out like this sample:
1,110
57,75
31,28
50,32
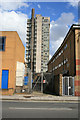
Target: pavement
36,96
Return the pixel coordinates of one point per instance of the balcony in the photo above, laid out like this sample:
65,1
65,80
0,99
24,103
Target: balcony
27,45
27,42
28,20
28,26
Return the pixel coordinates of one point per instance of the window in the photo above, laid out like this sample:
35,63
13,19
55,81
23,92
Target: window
56,57
56,67
2,43
53,59
45,20
65,46
59,65
62,63
53,69
62,51
59,53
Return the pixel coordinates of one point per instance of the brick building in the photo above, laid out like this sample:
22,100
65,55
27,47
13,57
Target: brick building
66,60
12,54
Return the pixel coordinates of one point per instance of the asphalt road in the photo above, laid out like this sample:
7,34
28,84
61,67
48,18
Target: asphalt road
17,109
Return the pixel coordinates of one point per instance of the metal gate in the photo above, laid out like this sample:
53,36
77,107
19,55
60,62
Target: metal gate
68,85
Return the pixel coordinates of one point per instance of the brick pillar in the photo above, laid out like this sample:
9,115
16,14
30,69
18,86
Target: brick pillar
77,50
77,78
60,84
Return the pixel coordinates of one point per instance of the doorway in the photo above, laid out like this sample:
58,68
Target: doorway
5,74
68,85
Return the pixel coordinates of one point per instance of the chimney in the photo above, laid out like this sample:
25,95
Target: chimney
33,10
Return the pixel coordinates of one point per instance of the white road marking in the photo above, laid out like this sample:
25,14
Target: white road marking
15,108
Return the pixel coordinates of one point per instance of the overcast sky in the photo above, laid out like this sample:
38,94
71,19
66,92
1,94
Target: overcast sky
14,15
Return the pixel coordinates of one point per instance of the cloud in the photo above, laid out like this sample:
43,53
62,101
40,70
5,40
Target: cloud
14,5
11,20
59,29
73,3
14,21
17,21
39,6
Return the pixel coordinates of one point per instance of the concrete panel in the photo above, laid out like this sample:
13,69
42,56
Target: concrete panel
39,39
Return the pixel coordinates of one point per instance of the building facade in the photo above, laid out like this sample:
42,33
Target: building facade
37,44
66,60
12,54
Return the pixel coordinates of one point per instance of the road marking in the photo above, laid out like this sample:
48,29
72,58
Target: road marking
15,108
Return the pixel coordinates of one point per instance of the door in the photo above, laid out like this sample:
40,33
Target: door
68,85
71,86
5,74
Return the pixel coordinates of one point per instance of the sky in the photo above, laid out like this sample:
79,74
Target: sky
14,15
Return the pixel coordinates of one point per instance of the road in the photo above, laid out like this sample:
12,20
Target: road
18,109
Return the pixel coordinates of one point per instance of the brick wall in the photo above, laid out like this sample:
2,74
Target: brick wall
14,51
68,53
